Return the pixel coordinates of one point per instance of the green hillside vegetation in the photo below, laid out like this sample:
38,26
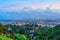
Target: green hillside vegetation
42,34
4,34
5,38
49,34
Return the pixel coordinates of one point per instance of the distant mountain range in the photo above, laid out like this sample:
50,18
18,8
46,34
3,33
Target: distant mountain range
27,13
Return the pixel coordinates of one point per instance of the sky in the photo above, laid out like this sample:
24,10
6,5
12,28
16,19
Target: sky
11,9
12,5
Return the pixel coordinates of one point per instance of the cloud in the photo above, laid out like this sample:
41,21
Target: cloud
55,6
33,6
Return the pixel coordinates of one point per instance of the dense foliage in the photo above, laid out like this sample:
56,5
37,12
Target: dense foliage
28,32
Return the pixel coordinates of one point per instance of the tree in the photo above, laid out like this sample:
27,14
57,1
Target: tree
49,33
20,37
2,29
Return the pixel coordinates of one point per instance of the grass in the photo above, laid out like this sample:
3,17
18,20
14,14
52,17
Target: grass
5,38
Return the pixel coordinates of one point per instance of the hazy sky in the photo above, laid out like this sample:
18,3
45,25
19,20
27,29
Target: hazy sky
34,4
9,7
